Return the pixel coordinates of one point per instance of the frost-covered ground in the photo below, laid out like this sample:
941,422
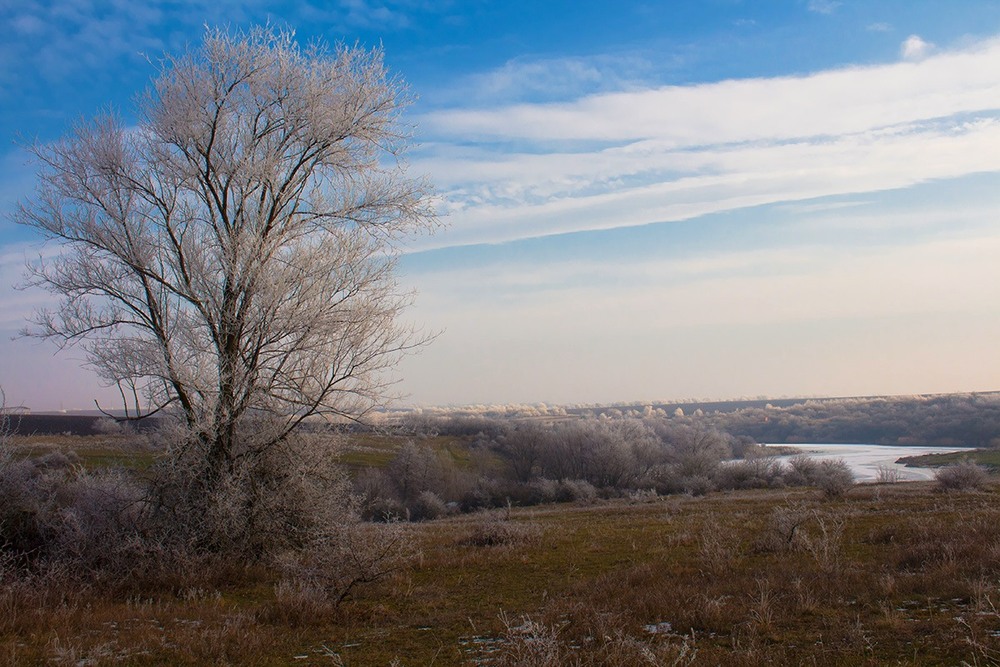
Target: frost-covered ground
865,460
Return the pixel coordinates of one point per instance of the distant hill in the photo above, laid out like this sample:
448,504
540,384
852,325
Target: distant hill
83,423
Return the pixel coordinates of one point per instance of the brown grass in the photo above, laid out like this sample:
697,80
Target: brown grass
92,451
892,574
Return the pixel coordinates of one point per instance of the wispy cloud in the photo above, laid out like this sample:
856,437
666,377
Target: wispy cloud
915,48
58,40
823,6
553,79
669,153
880,26
381,14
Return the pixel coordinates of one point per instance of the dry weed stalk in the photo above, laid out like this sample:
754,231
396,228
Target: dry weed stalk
497,528
335,564
718,549
825,544
535,644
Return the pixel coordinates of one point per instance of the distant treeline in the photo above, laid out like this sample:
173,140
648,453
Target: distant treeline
69,424
971,420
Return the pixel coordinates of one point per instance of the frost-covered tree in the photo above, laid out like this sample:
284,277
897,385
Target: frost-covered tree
230,255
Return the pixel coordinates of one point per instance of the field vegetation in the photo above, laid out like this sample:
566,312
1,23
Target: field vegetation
759,564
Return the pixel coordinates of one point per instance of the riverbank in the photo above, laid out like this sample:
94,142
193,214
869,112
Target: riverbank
989,458
870,463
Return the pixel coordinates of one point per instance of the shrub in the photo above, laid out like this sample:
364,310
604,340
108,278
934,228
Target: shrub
482,494
664,479
99,529
385,510
570,490
544,490
802,471
834,477
697,485
108,426
964,476
497,529
343,557
291,505
262,505
887,475
26,509
376,496
427,506
782,532
415,469
753,473
56,514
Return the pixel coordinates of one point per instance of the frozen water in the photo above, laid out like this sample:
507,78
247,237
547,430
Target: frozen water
865,460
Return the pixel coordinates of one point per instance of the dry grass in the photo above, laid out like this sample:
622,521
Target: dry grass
897,574
369,450
93,451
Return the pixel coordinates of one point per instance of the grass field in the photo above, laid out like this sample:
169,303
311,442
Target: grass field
984,457
890,574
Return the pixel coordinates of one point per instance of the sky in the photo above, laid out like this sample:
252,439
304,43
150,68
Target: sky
641,201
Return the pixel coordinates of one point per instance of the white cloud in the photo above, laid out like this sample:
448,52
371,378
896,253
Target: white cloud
823,6
832,102
677,152
27,24
915,48
369,14
528,79
529,196
879,26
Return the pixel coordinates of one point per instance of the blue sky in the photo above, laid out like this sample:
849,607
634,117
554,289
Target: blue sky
643,200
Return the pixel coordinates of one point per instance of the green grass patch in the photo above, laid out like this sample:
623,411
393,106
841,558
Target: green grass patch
92,452
377,451
984,457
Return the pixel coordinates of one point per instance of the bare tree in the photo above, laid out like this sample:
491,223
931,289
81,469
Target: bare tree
230,257
522,448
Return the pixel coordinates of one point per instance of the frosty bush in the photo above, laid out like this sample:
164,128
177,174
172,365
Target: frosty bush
834,477
964,476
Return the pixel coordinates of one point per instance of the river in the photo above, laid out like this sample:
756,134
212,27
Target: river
865,460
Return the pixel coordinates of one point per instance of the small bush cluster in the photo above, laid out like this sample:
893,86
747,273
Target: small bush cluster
324,574
964,476
496,528
131,529
528,463
53,511
832,476
261,505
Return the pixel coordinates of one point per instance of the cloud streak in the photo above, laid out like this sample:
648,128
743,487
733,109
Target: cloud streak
676,152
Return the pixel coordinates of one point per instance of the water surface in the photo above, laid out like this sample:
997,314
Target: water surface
865,460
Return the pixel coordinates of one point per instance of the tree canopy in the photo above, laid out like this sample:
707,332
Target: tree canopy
230,256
